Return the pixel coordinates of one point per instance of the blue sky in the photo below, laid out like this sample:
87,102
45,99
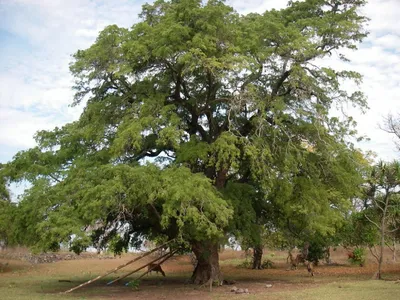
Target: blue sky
37,38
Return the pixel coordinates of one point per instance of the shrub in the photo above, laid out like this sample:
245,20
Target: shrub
315,252
267,264
358,257
246,264
134,284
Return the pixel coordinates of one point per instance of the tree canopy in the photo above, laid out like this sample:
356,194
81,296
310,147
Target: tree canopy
198,121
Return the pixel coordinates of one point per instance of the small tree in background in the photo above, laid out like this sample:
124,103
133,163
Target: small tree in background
359,233
382,194
7,210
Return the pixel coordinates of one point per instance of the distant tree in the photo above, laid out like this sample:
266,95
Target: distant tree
4,190
391,124
6,211
393,226
192,103
356,235
382,194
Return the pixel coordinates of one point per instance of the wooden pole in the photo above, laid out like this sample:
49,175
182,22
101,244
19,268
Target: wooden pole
117,268
138,269
169,256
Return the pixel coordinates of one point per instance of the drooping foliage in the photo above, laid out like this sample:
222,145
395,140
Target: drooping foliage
199,121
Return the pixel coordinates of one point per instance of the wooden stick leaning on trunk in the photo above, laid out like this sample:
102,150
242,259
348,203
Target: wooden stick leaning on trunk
165,256
117,268
151,269
138,269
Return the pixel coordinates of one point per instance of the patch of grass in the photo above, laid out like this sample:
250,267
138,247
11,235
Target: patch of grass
366,290
233,262
33,289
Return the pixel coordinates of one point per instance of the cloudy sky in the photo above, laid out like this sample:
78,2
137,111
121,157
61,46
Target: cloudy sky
37,38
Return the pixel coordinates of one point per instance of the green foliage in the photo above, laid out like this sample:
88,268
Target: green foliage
4,192
358,231
7,212
78,245
199,121
134,284
246,264
358,256
311,204
267,264
316,251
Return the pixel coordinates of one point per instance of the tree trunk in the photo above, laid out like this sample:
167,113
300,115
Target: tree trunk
305,250
382,232
328,255
257,257
394,251
379,273
207,268
220,180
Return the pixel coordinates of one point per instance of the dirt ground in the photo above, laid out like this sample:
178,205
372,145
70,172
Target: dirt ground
175,285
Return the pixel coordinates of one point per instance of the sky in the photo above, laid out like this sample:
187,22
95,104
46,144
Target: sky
38,37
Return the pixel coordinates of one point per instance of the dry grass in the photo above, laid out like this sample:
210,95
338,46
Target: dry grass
21,280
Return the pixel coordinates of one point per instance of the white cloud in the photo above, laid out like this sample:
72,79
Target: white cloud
259,6
389,41
35,83
384,15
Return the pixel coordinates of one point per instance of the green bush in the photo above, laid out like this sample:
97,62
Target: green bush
315,252
267,264
134,284
246,264
358,257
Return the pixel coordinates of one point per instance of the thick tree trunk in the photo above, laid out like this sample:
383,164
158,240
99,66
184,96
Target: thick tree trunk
220,180
207,268
257,257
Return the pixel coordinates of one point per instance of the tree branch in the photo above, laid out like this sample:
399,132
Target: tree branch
374,254
55,178
279,83
377,226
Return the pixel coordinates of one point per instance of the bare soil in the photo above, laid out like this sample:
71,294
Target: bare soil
178,270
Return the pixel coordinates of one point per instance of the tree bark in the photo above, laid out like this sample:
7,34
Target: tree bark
207,269
379,272
328,255
257,257
305,250
221,178
382,232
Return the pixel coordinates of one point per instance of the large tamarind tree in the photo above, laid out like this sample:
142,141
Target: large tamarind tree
194,118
